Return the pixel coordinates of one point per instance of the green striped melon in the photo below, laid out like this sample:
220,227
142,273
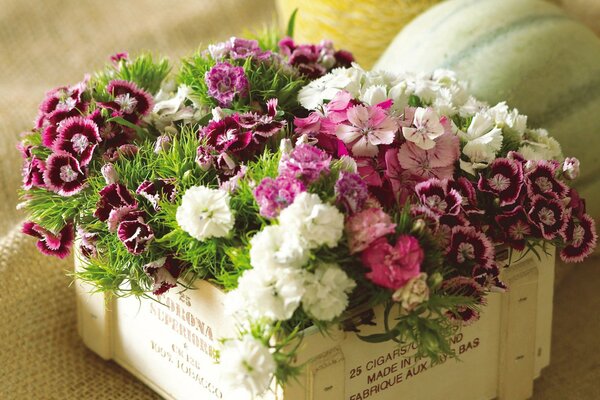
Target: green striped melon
527,52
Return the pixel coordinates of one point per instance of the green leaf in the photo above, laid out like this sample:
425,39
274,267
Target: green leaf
291,24
379,337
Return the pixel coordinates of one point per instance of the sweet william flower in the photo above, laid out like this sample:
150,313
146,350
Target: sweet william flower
246,366
275,248
79,137
464,286
63,174
113,197
570,168
426,127
469,247
225,82
58,245
351,191
549,215
158,189
273,195
517,227
109,173
367,226
135,233
305,162
204,213
437,162
129,101
33,173
164,273
319,224
326,292
580,237
367,128
414,293
504,180
392,267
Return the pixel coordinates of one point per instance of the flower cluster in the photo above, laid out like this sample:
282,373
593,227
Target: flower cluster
306,187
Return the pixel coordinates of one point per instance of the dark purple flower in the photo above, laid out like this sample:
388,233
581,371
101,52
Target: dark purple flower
206,157
79,137
469,247
351,191
120,214
468,287
489,278
113,197
466,190
264,125
438,196
33,173
273,195
576,203
61,103
63,174
548,214
226,81
154,190
87,243
504,181
343,58
541,180
58,245
134,233
306,163
164,273
129,101
517,228
227,135
580,236
113,135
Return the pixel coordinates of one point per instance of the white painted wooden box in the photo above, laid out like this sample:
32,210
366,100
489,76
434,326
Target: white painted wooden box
170,347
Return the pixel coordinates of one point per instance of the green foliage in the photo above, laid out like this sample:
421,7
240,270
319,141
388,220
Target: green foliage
50,210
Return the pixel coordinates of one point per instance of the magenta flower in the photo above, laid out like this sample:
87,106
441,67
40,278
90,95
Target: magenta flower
58,245
79,137
548,214
227,135
367,226
117,57
337,109
130,102
134,233
113,197
469,247
310,125
438,196
155,190
504,181
226,81
263,125
273,195
541,180
517,228
466,190
393,266
437,162
305,58
367,128
244,48
63,174
306,163
61,103
164,273
468,287
33,173
351,191
124,213
580,236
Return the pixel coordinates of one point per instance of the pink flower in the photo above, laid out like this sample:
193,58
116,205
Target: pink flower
273,195
368,127
58,245
63,174
367,226
570,168
581,238
504,180
79,137
310,125
225,82
244,48
33,173
337,108
427,126
164,273
392,267
117,57
113,197
437,162
305,162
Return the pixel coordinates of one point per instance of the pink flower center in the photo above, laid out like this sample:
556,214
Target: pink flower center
67,174
80,142
519,230
578,235
466,251
499,182
547,216
543,183
126,102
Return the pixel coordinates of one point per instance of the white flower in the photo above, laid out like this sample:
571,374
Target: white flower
471,107
326,295
246,367
427,127
219,50
571,168
348,164
483,139
326,87
317,223
266,294
510,119
413,293
274,247
373,95
205,213
540,146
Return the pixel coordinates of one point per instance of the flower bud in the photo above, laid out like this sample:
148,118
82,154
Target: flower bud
571,168
285,146
163,143
109,173
418,226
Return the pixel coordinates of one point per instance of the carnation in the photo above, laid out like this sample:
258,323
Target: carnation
204,213
225,82
275,248
247,366
319,224
415,292
326,292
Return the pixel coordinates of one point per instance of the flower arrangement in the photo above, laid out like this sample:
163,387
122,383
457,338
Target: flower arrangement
304,186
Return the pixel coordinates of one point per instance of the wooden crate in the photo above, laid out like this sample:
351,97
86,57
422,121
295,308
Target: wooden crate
170,347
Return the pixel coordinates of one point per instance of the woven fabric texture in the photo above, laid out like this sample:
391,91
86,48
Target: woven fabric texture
54,42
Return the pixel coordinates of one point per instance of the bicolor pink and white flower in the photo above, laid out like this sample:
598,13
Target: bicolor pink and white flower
436,195
367,226
366,129
63,174
504,180
580,237
58,245
164,273
425,128
469,247
113,197
437,162
79,137
135,233
548,214
517,227
156,190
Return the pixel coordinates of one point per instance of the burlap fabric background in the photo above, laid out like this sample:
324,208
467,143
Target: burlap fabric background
49,43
